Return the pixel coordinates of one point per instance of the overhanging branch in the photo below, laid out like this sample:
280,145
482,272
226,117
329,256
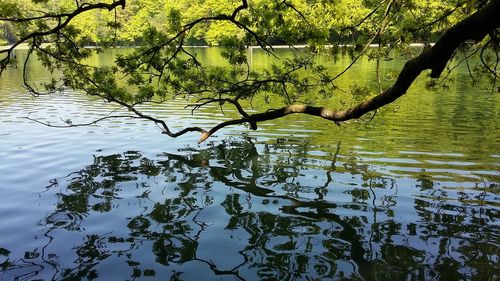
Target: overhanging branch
476,27
63,20
69,124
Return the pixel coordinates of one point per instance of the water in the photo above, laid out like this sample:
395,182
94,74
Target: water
411,195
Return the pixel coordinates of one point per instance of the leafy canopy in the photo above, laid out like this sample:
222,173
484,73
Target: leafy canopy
163,66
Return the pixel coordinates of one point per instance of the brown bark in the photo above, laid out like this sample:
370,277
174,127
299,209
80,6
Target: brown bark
474,28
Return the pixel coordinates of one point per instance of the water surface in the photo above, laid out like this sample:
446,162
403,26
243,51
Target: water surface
411,195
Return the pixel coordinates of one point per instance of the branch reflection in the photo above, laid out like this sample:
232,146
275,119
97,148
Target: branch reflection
237,210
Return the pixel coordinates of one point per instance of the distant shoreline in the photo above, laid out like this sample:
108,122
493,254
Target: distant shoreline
25,46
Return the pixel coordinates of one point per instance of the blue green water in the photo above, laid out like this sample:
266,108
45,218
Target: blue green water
411,195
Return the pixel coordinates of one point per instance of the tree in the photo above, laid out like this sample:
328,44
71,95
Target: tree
163,68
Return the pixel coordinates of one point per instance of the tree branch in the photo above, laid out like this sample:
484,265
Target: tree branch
61,24
475,28
70,125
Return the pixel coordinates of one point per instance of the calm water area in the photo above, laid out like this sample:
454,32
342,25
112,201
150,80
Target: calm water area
411,195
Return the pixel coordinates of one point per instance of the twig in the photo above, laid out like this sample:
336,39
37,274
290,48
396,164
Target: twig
69,125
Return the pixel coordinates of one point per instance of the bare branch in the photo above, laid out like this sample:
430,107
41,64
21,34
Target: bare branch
163,124
238,106
70,125
243,6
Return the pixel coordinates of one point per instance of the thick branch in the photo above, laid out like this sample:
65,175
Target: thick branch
238,106
243,6
474,28
166,129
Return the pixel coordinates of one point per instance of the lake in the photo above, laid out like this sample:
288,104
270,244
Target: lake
411,195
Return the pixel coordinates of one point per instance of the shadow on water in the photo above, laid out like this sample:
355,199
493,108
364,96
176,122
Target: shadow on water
237,210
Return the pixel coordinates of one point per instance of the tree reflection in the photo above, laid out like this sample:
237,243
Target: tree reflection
230,211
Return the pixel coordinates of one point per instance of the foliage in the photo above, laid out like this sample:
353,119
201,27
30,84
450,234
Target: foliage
163,67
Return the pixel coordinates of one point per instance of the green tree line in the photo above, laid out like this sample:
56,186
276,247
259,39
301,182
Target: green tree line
282,22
